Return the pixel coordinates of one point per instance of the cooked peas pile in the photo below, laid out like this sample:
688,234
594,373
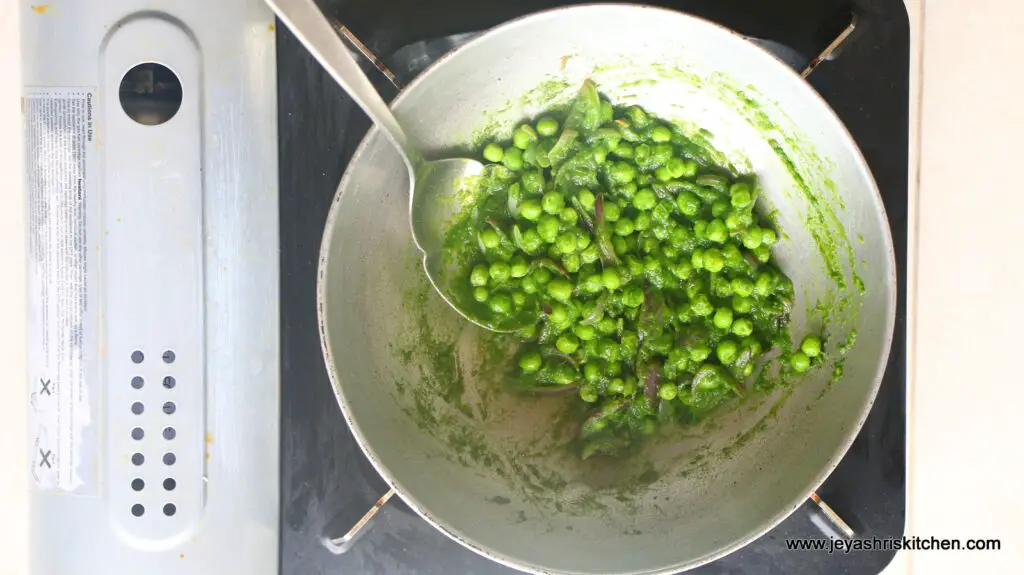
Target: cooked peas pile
644,270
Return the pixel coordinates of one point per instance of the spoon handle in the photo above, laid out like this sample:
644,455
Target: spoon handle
311,27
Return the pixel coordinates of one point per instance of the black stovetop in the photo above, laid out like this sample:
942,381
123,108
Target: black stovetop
326,481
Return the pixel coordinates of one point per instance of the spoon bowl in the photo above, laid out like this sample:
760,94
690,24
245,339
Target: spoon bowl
435,187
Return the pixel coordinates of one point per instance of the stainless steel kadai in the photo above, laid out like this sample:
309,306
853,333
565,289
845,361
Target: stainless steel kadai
421,387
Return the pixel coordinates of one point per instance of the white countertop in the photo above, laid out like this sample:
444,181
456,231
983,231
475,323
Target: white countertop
966,422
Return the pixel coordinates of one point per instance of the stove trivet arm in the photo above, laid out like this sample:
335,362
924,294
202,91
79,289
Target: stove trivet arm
344,543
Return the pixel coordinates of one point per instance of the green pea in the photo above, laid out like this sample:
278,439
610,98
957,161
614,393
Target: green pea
800,362
493,153
567,343
591,254
742,286
529,210
763,253
713,260
564,374
592,284
611,279
742,327
547,228
619,245
607,326
524,136
530,362
733,221
740,199
699,352
764,284
532,240
569,216
719,208
697,259
741,304
572,262
624,151
480,294
613,369
660,134
479,276
701,306
622,173
633,297
751,238
752,344
588,393
518,267
500,272
624,227
591,372
559,313
501,304
627,191
740,194
811,346
629,386
612,211
547,126
584,332
723,318
489,239
513,159
716,231
634,265
586,198
676,167
560,289
661,153
683,269
662,174
768,237
542,275
616,385
566,242
645,199
668,391
727,351
533,181
688,203
528,284
552,203
700,227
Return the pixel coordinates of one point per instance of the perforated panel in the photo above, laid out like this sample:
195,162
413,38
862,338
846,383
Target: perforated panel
152,261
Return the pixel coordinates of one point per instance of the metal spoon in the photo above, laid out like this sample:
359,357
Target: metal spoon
433,185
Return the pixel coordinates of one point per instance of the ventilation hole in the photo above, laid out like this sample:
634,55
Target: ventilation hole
169,407
150,94
170,382
138,458
138,382
138,408
170,484
138,433
170,433
169,356
169,459
138,484
170,509
138,510
137,356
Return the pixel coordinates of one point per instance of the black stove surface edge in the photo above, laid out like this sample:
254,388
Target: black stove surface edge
326,481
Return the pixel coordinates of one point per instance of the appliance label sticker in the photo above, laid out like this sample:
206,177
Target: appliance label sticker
60,177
